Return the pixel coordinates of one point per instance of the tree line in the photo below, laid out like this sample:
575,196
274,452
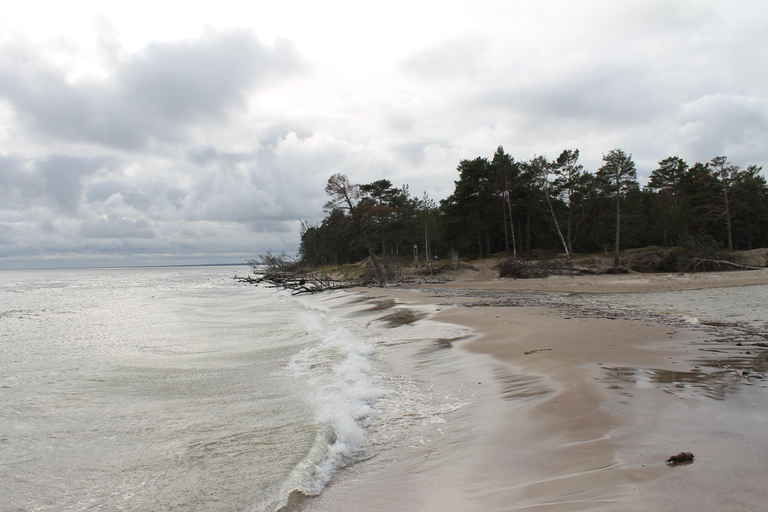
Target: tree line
539,206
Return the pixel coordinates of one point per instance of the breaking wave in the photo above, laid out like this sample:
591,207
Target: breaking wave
338,374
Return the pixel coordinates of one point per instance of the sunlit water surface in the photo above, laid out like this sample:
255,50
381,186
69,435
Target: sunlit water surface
177,388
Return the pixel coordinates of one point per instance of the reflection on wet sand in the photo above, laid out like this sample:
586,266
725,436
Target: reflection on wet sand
401,317
376,304
711,378
520,386
714,385
441,344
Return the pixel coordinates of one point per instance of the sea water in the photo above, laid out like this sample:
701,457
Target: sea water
180,389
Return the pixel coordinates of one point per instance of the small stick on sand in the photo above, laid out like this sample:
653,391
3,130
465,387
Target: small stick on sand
529,352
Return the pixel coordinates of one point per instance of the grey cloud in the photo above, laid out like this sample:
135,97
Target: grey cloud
201,78
118,228
63,177
7,234
724,124
54,181
613,93
149,197
45,102
271,226
230,196
268,184
47,227
176,196
19,185
203,155
154,94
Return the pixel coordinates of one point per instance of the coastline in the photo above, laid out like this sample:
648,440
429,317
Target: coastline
571,424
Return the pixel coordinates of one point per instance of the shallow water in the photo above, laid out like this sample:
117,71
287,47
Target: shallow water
181,389
145,388
745,306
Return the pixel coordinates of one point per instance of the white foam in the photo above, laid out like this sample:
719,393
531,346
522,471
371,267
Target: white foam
341,389
360,381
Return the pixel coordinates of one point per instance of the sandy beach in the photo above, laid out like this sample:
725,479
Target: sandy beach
585,406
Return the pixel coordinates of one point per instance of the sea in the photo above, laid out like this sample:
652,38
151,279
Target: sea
180,388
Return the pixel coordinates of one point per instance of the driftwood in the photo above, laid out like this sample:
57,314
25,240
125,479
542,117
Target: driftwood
567,269
517,269
284,272
296,283
716,263
680,458
535,351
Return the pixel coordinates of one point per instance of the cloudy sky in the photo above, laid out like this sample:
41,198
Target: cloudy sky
163,133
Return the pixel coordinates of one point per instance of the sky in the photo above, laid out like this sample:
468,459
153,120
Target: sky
155,133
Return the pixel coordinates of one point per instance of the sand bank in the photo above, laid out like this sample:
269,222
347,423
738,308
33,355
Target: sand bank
586,412
484,277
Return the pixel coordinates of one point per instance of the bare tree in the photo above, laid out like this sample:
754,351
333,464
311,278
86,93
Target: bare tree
541,168
567,174
347,196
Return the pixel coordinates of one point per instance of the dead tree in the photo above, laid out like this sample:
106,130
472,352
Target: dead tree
285,273
347,195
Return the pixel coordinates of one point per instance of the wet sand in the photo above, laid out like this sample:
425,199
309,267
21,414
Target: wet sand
584,410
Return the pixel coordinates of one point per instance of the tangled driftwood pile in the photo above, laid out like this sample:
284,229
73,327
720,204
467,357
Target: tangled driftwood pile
284,272
296,283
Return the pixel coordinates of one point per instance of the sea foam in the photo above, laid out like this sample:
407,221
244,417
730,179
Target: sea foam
341,389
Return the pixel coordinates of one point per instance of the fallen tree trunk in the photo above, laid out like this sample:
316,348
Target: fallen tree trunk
284,272
296,283
704,261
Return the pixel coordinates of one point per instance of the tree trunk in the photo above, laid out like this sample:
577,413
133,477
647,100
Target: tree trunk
557,226
618,224
511,219
506,234
728,219
427,249
569,232
528,225
368,246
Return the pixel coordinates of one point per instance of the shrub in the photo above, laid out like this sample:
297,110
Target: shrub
520,270
684,257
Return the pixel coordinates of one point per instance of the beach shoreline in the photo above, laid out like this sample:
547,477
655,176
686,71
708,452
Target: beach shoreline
575,428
